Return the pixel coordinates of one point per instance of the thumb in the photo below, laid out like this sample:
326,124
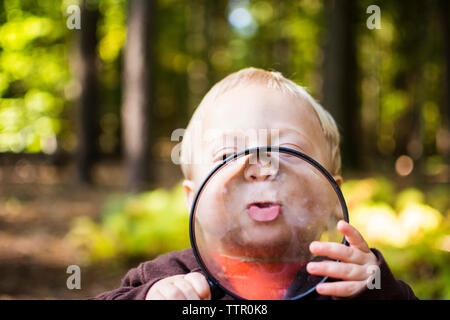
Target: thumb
200,285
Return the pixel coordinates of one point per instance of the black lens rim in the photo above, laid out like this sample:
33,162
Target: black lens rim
305,157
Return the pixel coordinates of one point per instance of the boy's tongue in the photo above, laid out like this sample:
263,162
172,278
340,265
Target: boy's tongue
264,211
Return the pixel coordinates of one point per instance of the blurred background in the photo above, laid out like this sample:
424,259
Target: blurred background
91,91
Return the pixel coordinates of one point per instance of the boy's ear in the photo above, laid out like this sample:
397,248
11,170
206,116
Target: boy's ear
189,191
338,180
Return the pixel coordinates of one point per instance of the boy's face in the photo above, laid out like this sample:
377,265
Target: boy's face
252,205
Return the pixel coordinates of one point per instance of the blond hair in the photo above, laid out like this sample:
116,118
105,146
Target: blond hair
274,80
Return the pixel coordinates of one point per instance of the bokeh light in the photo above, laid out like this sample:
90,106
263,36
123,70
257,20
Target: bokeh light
240,18
242,21
404,165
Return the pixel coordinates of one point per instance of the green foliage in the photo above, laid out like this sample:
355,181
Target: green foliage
37,73
134,226
411,228
34,73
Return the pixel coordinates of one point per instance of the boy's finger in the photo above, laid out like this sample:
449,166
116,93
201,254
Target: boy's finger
337,251
155,295
353,236
340,288
187,289
338,270
199,283
171,292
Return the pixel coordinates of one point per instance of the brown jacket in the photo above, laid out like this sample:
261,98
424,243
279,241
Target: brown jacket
138,281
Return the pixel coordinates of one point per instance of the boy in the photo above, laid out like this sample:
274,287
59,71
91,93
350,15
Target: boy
256,99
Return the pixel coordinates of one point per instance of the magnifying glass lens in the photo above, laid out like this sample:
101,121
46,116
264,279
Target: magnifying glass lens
254,218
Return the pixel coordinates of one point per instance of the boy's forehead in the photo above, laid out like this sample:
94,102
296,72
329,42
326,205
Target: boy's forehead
255,115
241,110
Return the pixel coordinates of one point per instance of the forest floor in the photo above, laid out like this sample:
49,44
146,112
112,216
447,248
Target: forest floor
37,204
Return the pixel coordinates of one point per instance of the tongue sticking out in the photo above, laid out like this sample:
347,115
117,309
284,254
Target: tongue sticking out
264,211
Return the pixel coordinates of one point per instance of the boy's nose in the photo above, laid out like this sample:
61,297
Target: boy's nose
260,171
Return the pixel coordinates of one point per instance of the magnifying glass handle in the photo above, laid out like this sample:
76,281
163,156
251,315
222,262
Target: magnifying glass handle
216,292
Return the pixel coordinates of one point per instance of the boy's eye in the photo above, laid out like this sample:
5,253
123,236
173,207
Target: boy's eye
225,155
222,157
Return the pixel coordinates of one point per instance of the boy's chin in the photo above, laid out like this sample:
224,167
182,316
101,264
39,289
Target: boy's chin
258,243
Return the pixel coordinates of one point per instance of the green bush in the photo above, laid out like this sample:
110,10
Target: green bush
411,228
134,226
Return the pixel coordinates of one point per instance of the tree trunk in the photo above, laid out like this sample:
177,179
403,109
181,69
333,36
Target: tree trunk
444,8
340,94
412,78
88,112
137,90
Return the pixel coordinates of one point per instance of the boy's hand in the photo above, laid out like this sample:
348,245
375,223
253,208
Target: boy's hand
354,268
191,286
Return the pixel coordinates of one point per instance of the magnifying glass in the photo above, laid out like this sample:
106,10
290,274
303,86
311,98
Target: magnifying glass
254,217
